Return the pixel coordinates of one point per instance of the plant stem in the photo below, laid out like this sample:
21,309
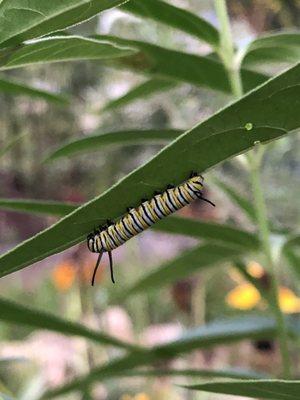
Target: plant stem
227,54
261,214
226,49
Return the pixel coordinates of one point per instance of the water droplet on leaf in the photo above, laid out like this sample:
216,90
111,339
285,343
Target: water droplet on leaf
248,126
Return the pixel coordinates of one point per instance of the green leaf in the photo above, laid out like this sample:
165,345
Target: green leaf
38,206
233,373
220,233
257,389
291,251
186,264
240,200
61,48
212,334
141,91
175,17
159,62
22,20
18,314
280,47
98,141
206,145
16,88
13,142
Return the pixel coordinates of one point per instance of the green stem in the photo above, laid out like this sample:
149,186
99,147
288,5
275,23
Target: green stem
261,214
226,52
226,49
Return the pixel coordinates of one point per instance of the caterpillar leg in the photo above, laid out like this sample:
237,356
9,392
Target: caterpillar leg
111,267
96,267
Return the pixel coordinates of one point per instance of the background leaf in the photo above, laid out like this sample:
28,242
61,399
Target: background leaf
16,88
175,17
60,48
220,233
130,137
13,142
15,313
38,206
212,334
240,200
159,62
269,389
234,373
189,262
20,21
280,47
198,149
141,91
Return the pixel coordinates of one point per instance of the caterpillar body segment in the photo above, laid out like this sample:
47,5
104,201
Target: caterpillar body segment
136,220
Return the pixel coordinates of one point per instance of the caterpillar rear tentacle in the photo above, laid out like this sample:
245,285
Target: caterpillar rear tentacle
136,220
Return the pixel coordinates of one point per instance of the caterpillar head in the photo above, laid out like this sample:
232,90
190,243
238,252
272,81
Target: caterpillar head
197,179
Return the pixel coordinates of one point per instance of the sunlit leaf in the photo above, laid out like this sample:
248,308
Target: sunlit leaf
257,389
98,141
16,88
60,48
175,17
22,20
218,138
272,48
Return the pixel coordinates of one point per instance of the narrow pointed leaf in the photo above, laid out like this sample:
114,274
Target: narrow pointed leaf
240,200
256,389
212,334
220,233
12,312
38,206
233,373
13,142
141,91
16,88
188,263
218,138
22,20
280,47
291,251
175,17
97,142
159,62
61,48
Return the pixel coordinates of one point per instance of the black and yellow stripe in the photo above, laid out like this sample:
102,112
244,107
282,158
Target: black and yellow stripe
142,217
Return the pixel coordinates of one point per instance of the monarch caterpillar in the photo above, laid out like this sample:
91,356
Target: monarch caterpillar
136,220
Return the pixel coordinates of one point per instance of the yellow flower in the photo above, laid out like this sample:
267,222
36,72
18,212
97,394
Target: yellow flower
288,301
138,396
63,275
243,297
